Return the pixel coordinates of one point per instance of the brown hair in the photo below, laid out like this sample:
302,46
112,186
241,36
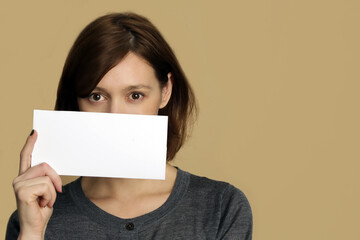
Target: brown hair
100,47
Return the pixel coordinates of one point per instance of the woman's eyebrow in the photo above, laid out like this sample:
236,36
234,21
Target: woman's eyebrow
135,87
129,88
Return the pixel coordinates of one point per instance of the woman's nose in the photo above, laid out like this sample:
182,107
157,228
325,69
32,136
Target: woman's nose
116,107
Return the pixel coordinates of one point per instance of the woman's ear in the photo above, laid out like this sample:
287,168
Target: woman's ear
166,91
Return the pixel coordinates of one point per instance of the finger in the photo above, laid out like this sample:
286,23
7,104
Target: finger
39,181
46,201
41,170
25,154
31,194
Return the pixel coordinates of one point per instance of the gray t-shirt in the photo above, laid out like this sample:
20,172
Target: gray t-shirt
197,208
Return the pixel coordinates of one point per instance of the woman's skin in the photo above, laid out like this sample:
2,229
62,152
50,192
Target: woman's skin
130,87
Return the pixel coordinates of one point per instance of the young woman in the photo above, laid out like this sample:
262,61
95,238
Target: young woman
120,63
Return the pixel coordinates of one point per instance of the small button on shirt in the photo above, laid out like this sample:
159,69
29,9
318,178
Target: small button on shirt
129,226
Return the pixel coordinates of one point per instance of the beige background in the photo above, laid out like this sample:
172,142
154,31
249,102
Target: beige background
277,84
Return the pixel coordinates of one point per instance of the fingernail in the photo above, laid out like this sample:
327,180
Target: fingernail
32,132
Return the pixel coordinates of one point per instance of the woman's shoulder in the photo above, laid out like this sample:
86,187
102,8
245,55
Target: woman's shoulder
13,226
220,203
215,188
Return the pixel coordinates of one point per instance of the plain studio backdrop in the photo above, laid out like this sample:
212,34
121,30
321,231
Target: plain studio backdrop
277,84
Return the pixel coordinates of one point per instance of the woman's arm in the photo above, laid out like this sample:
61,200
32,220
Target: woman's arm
35,190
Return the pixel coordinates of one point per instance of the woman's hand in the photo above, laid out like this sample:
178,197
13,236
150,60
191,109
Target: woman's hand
35,190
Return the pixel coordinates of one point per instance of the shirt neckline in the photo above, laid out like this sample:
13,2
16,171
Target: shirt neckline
142,222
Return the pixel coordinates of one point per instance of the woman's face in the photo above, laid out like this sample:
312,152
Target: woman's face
129,87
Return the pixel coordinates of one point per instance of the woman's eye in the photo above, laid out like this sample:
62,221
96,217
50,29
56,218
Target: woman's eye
136,96
96,97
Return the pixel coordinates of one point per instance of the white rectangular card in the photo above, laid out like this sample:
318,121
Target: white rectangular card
101,144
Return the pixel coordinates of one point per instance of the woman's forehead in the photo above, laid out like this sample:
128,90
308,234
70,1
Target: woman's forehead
132,70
